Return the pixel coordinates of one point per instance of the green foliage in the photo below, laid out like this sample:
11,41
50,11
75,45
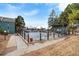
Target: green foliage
70,16
2,31
63,18
73,19
19,23
67,18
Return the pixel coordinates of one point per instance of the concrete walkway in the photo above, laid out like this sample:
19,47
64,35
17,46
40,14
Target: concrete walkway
15,43
20,43
11,42
22,47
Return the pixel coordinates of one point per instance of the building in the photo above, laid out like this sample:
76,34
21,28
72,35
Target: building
7,24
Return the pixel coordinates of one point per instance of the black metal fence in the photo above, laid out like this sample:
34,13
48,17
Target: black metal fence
42,36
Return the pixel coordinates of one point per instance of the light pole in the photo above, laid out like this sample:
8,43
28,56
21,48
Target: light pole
8,28
5,34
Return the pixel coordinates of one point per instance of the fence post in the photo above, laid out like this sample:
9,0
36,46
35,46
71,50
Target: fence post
47,34
24,35
58,34
28,37
40,36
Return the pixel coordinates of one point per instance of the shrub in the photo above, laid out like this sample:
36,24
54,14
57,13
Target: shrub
2,31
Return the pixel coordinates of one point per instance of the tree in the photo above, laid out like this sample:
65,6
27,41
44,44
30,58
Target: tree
54,23
19,24
63,19
67,19
72,11
52,20
74,17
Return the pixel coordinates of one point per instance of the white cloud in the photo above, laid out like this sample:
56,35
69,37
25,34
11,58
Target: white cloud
11,7
11,11
31,13
62,6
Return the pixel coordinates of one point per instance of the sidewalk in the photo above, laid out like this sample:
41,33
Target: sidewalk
15,43
22,48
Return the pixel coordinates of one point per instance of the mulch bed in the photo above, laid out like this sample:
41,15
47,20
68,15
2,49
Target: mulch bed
3,43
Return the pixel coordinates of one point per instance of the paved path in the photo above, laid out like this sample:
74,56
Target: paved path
22,47
20,43
15,41
11,42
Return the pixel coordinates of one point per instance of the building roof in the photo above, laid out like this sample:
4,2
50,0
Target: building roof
6,19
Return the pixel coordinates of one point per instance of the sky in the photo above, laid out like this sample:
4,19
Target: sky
34,14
